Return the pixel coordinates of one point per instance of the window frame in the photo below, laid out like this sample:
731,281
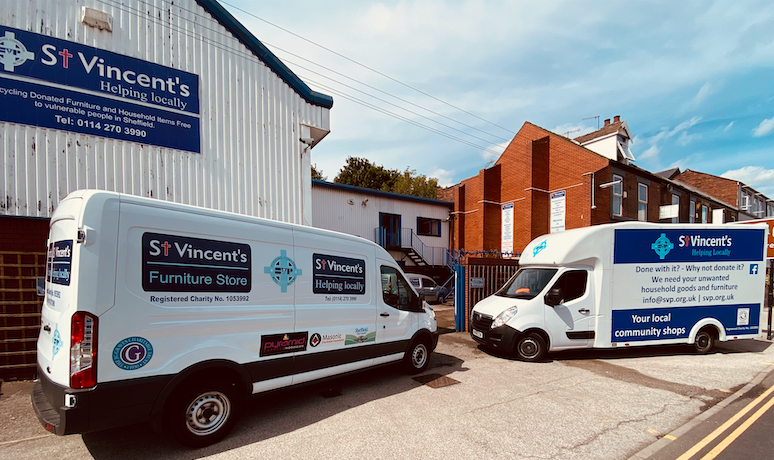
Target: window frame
432,223
642,205
616,191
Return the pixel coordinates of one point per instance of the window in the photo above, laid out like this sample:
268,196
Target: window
428,227
617,205
642,202
692,212
396,291
527,283
573,284
704,214
676,201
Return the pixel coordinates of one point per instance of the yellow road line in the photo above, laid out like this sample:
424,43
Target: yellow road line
711,437
737,432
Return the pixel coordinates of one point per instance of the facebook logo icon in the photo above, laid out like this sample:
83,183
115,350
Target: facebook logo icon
753,269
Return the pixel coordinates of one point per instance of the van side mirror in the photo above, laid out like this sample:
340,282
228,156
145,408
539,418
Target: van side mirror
554,297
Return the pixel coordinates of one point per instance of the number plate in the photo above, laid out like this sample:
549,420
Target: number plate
478,334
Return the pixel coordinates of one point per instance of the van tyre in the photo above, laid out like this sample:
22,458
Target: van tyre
705,341
418,356
203,414
531,347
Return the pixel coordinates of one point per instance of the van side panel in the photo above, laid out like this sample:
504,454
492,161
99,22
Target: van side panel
334,302
199,316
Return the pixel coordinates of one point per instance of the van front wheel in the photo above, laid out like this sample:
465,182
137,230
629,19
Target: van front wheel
418,357
531,347
203,414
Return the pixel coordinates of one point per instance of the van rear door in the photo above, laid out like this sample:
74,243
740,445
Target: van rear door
59,302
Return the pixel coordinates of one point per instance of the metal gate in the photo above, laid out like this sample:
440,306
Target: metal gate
476,280
19,312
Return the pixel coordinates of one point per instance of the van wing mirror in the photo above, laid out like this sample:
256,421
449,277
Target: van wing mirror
554,297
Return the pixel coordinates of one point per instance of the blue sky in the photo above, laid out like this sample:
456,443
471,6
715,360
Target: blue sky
694,80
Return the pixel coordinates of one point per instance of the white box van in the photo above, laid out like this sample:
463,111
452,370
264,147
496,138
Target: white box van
629,284
173,313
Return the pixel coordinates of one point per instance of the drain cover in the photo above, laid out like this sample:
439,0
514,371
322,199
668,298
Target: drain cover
436,380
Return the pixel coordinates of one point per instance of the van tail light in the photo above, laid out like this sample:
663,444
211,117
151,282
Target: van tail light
83,350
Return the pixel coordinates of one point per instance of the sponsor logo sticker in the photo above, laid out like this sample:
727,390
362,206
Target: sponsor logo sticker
361,335
289,342
662,246
132,353
315,340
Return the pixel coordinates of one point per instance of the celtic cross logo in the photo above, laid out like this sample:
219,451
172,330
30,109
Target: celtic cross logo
283,271
539,248
662,246
12,52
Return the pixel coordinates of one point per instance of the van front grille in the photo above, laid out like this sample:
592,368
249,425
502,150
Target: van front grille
482,322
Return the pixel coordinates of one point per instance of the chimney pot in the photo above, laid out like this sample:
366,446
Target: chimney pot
607,122
616,118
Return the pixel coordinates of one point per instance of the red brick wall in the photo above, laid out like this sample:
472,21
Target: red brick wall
23,234
723,189
22,260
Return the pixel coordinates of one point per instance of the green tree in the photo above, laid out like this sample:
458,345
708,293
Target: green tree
317,173
362,173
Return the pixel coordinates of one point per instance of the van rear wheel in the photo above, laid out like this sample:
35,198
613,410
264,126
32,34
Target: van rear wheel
705,341
203,414
531,347
418,357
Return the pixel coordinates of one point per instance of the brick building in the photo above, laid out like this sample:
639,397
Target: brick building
545,182
749,203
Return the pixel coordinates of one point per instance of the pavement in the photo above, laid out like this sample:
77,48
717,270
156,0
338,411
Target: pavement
469,403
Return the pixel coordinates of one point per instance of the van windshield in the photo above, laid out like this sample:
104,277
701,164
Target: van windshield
527,283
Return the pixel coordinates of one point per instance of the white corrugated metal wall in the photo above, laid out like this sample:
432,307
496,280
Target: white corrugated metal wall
251,159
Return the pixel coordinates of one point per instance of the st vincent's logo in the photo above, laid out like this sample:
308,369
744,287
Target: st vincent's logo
283,271
13,52
662,246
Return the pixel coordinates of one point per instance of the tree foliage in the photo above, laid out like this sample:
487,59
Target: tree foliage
362,173
317,173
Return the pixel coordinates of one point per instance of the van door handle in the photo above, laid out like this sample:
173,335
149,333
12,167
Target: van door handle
384,314
47,328
583,310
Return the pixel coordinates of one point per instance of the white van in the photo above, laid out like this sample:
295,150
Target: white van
629,284
175,314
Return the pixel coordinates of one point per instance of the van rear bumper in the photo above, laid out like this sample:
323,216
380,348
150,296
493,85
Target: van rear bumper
107,405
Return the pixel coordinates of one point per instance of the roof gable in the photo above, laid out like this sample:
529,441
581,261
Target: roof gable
241,33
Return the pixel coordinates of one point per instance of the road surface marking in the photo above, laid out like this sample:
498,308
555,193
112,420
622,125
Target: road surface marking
711,437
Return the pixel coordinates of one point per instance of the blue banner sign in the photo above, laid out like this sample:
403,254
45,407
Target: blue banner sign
59,84
676,323
687,245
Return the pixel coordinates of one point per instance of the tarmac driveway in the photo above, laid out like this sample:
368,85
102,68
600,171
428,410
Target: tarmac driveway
469,404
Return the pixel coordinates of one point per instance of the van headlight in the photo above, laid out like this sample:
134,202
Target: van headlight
503,317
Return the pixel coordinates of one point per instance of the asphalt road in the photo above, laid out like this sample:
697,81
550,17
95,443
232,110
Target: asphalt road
609,404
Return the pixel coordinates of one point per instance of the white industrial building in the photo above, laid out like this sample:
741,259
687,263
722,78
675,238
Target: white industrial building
414,230
170,100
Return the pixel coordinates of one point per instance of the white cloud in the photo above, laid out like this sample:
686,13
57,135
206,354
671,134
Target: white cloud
686,139
444,176
765,128
684,126
757,177
652,152
728,127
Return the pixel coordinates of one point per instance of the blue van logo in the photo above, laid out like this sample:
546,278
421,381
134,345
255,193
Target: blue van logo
283,271
539,248
662,246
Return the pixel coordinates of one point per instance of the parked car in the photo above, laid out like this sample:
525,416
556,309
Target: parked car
428,287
